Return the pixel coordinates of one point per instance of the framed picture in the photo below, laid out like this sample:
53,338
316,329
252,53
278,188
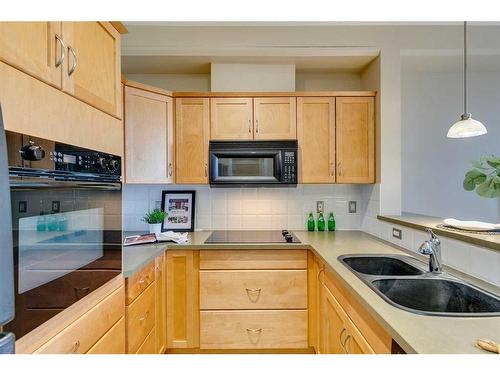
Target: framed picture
179,206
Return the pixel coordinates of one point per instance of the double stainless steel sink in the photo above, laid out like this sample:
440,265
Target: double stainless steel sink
404,282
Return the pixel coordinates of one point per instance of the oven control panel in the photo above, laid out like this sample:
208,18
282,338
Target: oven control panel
289,165
74,159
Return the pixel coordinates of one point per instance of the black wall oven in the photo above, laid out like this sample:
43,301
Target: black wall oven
253,163
66,224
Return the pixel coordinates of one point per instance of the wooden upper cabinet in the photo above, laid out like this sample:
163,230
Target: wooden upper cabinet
148,137
34,48
231,119
191,140
316,138
92,71
355,139
275,118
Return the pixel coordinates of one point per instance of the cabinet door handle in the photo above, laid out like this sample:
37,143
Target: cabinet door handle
75,61
75,347
62,55
340,336
206,170
346,342
170,169
256,126
144,317
249,125
339,165
332,169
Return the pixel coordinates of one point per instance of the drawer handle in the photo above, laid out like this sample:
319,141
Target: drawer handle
81,292
254,330
75,347
144,317
141,281
253,294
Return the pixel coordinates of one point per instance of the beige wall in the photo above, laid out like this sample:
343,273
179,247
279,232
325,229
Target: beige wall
174,82
326,81
253,77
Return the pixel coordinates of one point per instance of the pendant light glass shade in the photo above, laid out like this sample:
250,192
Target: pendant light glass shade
466,127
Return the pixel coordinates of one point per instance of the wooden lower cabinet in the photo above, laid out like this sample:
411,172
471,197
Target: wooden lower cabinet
253,329
113,342
182,299
161,304
149,344
140,319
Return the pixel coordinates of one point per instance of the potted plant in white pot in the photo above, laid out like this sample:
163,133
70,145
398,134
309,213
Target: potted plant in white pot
155,218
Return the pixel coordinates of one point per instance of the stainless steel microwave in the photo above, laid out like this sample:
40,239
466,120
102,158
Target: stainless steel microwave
253,163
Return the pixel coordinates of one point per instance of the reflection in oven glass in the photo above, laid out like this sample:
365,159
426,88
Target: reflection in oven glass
245,167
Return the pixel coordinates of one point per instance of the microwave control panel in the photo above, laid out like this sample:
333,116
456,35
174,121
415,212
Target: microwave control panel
289,172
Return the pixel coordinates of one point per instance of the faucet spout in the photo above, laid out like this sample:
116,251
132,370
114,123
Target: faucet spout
432,247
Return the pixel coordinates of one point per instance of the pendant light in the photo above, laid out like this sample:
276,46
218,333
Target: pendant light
467,126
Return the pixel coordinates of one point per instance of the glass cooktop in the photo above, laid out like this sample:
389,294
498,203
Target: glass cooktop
252,236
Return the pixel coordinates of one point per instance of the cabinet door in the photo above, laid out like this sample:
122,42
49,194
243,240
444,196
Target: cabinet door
183,312
275,118
314,269
33,48
92,70
355,343
191,140
355,143
148,137
332,330
316,138
231,118
161,305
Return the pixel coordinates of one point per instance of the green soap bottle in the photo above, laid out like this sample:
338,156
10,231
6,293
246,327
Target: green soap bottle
331,222
310,222
321,222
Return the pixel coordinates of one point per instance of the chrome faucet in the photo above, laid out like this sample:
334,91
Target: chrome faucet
432,248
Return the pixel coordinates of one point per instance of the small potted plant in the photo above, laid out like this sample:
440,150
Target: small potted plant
155,218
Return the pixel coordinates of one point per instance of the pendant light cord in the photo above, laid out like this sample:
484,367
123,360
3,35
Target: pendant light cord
465,68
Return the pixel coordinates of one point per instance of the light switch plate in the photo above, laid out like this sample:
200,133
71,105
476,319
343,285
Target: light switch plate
352,207
397,233
320,206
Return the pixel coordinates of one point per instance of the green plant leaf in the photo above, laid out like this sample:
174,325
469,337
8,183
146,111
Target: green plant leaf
473,178
486,189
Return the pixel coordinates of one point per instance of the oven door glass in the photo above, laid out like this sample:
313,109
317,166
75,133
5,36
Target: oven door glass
67,243
245,168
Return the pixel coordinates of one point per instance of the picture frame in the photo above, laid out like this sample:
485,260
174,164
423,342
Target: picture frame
180,208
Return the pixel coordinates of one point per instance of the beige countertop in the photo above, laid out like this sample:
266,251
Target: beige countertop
414,333
421,222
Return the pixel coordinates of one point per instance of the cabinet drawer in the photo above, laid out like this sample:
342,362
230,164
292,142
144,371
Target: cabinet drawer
138,282
253,259
268,329
148,346
261,289
113,342
140,318
81,335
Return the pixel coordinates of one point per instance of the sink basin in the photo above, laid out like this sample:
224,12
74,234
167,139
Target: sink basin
381,265
437,296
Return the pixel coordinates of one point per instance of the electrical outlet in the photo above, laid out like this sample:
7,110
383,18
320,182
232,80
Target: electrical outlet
320,206
56,206
397,233
352,207
23,206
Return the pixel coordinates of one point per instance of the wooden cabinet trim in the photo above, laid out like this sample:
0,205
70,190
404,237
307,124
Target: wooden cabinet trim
211,94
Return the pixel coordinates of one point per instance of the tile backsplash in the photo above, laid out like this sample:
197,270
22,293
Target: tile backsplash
249,208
